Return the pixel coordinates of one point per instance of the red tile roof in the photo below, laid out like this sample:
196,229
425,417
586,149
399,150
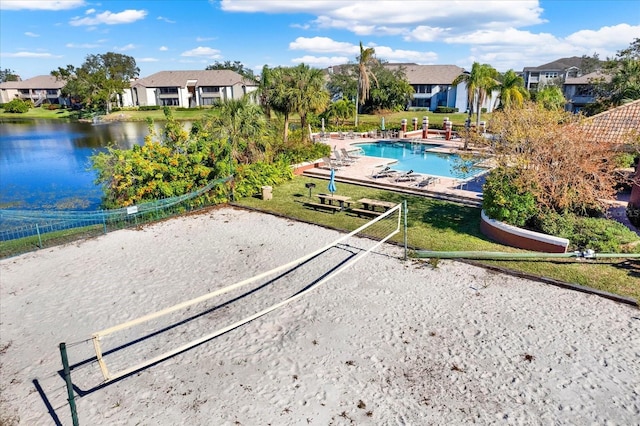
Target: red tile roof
615,125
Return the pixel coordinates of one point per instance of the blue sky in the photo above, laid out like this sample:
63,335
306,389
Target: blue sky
37,37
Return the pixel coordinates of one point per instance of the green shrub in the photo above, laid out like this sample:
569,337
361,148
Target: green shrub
149,107
445,110
603,235
624,159
300,152
553,223
504,199
598,234
17,106
251,177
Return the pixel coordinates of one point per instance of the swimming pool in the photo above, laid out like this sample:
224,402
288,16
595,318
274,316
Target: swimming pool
416,157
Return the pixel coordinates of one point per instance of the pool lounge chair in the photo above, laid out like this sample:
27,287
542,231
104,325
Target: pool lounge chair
426,182
406,177
342,159
386,172
345,155
331,164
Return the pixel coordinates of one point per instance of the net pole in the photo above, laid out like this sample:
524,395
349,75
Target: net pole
67,378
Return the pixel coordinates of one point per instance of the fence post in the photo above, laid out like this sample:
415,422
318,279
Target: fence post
104,221
67,378
405,228
39,236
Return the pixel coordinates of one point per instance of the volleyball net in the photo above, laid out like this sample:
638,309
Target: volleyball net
222,310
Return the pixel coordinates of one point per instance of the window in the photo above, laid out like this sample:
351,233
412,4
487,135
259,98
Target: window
52,92
210,89
168,90
170,102
422,88
584,90
550,74
421,103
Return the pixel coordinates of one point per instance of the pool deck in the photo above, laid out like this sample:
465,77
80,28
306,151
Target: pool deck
361,172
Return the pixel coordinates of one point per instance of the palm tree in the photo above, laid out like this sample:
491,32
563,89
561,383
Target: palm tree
365,60
282,99
242,124
480,81
310,95
261,95
512,91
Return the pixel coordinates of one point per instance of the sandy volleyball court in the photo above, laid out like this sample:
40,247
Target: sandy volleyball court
386,342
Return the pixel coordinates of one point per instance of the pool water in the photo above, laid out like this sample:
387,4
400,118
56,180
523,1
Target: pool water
416,157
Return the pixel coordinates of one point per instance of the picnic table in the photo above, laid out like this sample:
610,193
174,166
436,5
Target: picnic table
371,205
341,200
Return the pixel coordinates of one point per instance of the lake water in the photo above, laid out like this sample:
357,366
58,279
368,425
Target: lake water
44,164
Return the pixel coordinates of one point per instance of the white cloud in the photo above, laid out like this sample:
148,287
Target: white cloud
30,34
37,55
82,45
201,39
320,61
399,55
204,52
147,60
167,20
129,46
349,50
398,17
323,45
90,11
509,36
109,18
163,48
605,36
40,4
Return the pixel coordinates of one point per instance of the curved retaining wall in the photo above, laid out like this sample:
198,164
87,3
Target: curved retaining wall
521,238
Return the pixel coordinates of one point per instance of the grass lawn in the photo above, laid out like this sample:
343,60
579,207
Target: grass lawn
391,119
442,226
41,113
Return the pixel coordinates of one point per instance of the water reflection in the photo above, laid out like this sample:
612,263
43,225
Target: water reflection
45,163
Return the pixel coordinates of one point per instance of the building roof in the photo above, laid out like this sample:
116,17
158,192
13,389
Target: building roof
223,78
587,78
38,82
615,125
430,74
417,74
558,65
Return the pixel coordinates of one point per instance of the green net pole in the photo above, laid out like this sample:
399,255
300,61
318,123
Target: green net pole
67,378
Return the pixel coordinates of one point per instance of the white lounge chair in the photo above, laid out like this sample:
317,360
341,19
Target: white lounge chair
345,155
341,159
331,164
